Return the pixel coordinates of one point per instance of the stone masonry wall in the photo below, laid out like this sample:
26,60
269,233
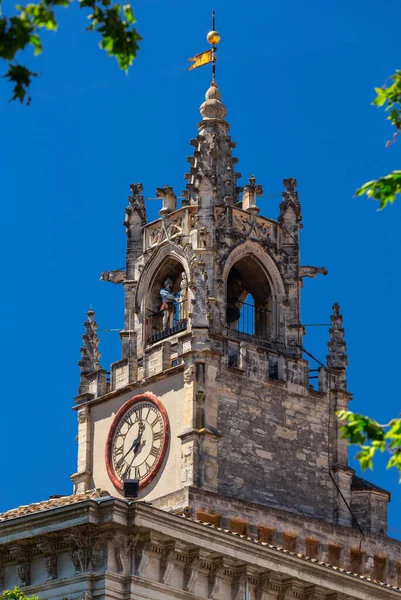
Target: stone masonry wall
274,444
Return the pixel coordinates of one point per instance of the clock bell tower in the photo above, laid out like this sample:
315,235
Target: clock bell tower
212,403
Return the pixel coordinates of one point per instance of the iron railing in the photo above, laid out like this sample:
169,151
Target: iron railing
251,319
178,322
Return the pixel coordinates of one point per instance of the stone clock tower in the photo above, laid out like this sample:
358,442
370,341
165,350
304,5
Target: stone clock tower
212,396
243,486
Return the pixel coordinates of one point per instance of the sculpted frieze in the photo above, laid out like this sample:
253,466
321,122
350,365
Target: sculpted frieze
86,549
20,553
167,229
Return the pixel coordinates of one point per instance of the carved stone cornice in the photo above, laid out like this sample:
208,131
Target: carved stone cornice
262,588
86,548
20,553
238,587
122,547
221,569
173,555
144,548
199,561
47,544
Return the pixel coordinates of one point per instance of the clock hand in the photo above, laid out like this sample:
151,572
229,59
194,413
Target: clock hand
137,440
135,444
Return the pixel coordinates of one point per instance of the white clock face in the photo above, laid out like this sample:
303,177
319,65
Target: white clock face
139,442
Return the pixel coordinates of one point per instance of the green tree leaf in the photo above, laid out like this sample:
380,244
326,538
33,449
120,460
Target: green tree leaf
385,189
113,22
370,436
16,594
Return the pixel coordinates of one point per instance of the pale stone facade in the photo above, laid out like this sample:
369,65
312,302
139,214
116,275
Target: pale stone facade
245,492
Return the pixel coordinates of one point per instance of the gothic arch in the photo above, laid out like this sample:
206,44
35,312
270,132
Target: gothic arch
265,282
155,318
153,267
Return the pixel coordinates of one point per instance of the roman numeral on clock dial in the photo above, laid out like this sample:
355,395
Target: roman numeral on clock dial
154,451
138,442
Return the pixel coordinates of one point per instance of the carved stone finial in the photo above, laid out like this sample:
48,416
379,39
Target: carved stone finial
136,204
136,189
212,157
290,208
251,190
290,184
169,199
89,352
337,358
213,107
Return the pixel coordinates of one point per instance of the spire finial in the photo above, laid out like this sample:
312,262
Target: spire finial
90,355
213,37
337,358
213,107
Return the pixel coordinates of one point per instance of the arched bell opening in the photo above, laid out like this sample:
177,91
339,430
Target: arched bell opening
249,299
167,301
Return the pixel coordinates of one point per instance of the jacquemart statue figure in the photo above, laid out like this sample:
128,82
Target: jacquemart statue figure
168,299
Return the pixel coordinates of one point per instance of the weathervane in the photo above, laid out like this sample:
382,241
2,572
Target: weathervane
213,37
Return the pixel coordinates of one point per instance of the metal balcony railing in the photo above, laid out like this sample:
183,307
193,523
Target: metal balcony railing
248,318
177,322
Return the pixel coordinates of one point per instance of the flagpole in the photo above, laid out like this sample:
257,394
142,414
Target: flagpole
214,50
204,58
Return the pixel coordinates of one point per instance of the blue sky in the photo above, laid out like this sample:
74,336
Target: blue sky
297,79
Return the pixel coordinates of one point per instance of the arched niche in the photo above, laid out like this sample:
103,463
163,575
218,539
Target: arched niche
160,318
253,290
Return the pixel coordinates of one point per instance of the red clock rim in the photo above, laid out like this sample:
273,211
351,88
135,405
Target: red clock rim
147,397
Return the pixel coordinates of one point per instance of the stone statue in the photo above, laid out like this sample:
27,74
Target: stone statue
183,297
168,298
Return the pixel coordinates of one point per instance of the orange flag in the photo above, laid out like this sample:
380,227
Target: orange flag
201,59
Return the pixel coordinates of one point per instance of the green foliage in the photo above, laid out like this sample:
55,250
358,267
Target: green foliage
16,594
113,22
370,436
385,189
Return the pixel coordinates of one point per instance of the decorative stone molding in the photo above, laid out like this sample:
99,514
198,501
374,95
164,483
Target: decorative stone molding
121,548
51,566
86,549
262,587
173,555
83,414
222,569
199,561
20,553
24,573
144,549
238,588
189,375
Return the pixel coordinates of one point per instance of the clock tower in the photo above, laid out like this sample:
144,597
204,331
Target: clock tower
212,405
212,421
